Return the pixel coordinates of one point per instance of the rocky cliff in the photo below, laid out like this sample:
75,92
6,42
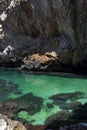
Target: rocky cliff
44,26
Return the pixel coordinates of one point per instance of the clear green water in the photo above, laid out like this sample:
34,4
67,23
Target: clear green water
41,86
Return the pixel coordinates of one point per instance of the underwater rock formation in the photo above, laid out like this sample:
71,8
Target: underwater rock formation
28,102
60,116
37,27
68,100
75,120
71,96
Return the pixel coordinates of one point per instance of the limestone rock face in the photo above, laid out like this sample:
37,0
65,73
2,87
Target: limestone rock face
40,26
7,124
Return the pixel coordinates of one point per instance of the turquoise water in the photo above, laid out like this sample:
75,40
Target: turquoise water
40,90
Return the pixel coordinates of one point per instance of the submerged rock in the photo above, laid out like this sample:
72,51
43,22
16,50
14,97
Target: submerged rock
28,102
71,96
68,100
75,120
71,105
60,116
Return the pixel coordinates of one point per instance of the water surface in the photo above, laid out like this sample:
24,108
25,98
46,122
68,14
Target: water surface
41,95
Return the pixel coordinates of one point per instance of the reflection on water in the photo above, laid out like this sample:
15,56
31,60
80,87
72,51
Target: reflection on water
40,99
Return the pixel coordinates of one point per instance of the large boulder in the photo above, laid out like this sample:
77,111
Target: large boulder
39,62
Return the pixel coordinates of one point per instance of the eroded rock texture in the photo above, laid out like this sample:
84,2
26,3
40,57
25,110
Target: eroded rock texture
40,26
7,124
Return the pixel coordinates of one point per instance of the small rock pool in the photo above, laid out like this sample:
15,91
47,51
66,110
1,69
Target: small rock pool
39,98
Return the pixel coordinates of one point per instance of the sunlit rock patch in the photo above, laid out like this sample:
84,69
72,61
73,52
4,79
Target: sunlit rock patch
8,124
38,61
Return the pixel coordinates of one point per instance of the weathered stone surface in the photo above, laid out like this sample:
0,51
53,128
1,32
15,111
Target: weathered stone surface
7,124
40,62
44,26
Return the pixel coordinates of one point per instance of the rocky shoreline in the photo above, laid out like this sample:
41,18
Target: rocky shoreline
47,62
62,120
8,124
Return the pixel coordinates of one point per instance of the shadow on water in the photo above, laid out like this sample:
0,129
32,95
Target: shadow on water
46,73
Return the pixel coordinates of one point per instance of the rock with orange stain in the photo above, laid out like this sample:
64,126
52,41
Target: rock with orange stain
37,61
